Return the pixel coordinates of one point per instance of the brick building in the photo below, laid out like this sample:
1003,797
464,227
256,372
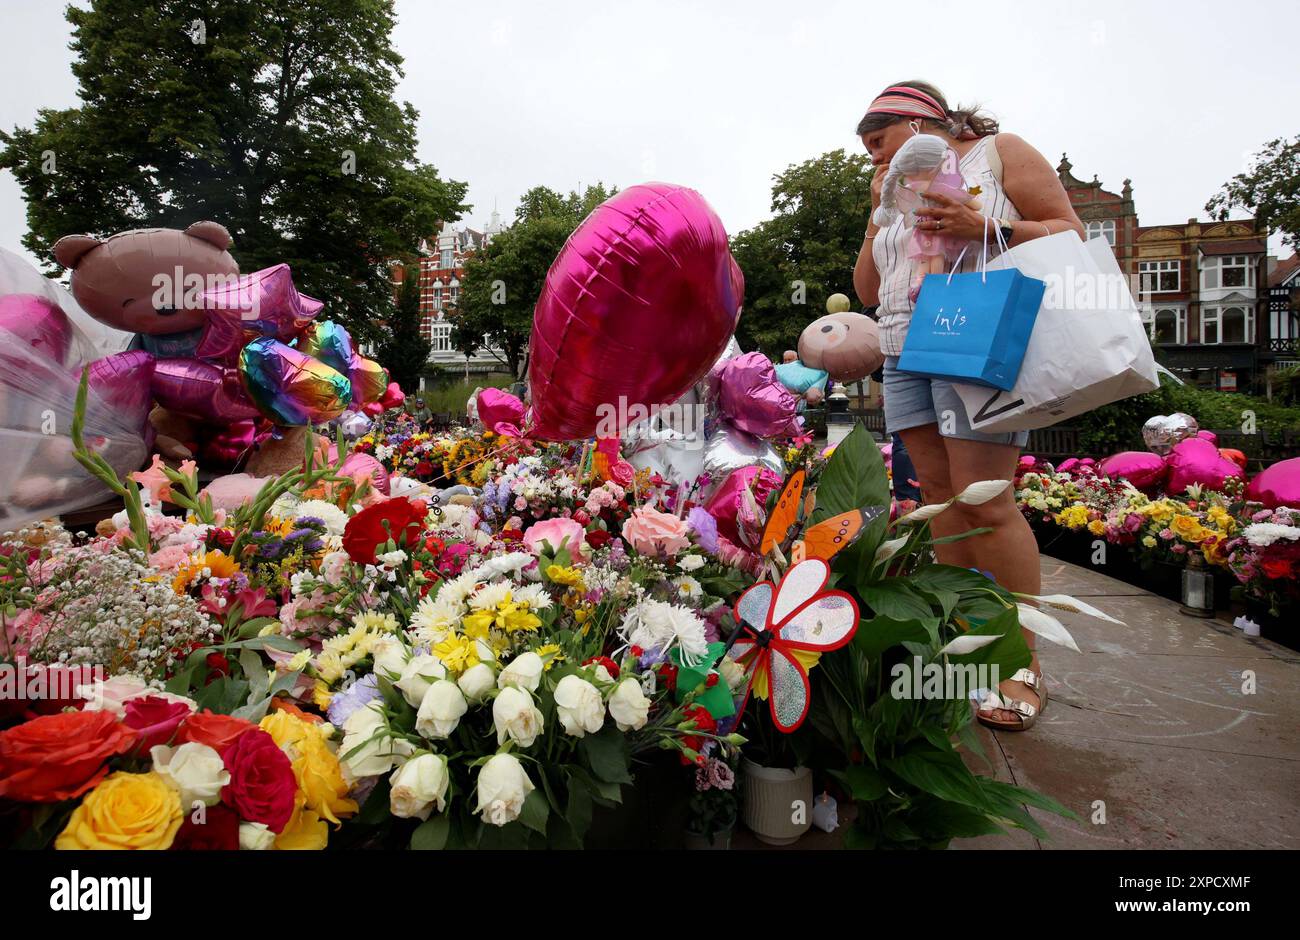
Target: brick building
1202,286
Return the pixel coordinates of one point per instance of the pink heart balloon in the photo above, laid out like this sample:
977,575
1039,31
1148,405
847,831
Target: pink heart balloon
640,301
752,398
1196,460
1277,485
496,408
1142,468
361,465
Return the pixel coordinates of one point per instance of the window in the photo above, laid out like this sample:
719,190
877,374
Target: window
444,260
1228,325
437,296
1168,325
1227,271
1160,277
1103,229
441,337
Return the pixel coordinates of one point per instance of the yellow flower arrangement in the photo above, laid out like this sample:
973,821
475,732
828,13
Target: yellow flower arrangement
125,811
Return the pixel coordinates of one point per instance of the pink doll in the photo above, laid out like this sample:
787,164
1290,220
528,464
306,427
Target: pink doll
925,164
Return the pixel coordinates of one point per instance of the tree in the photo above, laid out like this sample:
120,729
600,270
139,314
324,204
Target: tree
403,348
503,281
276,119
1270,190
806,251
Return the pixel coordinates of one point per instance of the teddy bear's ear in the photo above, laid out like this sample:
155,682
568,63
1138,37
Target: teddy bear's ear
70,249
212,233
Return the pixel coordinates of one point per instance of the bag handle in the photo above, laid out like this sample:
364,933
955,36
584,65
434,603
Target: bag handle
1003,248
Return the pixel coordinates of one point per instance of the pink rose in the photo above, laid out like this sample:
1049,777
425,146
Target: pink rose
651,532
621,472
154,719
559,533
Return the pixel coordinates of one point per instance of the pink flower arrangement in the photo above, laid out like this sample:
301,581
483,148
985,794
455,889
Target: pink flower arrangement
652,532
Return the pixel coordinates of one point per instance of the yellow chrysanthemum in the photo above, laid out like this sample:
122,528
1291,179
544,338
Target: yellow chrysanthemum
457,653
550,654
568,576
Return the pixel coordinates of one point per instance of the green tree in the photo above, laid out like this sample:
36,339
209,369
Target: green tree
402,347
503,281
806,251
276,119
1270,190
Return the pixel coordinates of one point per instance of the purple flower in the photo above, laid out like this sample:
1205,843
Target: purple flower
345,703
705,527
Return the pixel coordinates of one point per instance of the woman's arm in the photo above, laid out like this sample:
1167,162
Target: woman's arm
866,279
1032,184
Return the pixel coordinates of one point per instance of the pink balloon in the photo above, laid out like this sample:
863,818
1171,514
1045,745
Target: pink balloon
1142,468
231,443
752,398
640,301
358,466
1277,485
1196,460
725,502
1068,465
124,380
202,390
264,303
38,323
234,490
373,408
497,408
394,397
1208,436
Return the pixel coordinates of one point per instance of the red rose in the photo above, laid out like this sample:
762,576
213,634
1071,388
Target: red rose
1276,568
262,785
59,757
218,832
218,665
366,531
155,719
703,722
216,731
598,537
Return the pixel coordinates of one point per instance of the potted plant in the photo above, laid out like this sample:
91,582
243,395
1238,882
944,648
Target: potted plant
776,786
713,807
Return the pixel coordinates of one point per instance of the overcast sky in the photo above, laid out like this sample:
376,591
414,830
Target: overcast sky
721,95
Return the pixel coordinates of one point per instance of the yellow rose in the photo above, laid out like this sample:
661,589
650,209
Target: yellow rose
1185,526
124,811
305,831
315,766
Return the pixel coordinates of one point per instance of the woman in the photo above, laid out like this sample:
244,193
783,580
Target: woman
1021,195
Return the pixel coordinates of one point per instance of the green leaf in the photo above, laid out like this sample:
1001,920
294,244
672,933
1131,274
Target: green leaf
255,673
878,634
431,835
375,810
606,752
940,773
578,812
854,477
1008,653
864,783
895,598
535,810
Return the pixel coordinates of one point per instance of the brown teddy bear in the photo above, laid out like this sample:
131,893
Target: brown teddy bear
844,345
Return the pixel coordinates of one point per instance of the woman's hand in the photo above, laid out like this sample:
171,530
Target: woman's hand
877,182
945,216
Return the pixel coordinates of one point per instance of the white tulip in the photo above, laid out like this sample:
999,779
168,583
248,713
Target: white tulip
524,671
502,788
418,786
194,770
628,706
366,728
390,655
516,717
441,710
579,706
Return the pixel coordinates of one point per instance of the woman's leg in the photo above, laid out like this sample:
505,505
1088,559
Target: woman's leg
1009,552
930,456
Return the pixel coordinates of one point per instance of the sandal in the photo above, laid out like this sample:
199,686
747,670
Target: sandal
1026,714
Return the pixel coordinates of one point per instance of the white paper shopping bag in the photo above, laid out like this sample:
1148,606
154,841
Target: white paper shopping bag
1088,348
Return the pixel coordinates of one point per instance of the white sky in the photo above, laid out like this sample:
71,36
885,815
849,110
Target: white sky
721,95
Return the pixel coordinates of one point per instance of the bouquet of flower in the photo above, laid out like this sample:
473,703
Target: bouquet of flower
1265,557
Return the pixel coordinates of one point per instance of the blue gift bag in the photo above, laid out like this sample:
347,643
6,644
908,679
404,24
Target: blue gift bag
972,327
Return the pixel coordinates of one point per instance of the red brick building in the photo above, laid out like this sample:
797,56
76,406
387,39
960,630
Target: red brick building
1202,286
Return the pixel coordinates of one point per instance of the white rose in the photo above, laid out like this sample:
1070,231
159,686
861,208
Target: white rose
628,706
579,705
690,562
524,671
732,673
418,675
111,695
390,655
418,786
255,837
502,788
195,770
441,709
378,752
476,681
516,717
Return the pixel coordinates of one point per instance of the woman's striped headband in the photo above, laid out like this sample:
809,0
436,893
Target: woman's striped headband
908,102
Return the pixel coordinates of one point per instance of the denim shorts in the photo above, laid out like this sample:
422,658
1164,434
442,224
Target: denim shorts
912,401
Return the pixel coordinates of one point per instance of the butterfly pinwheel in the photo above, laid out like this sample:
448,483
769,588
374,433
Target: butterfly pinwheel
779,621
